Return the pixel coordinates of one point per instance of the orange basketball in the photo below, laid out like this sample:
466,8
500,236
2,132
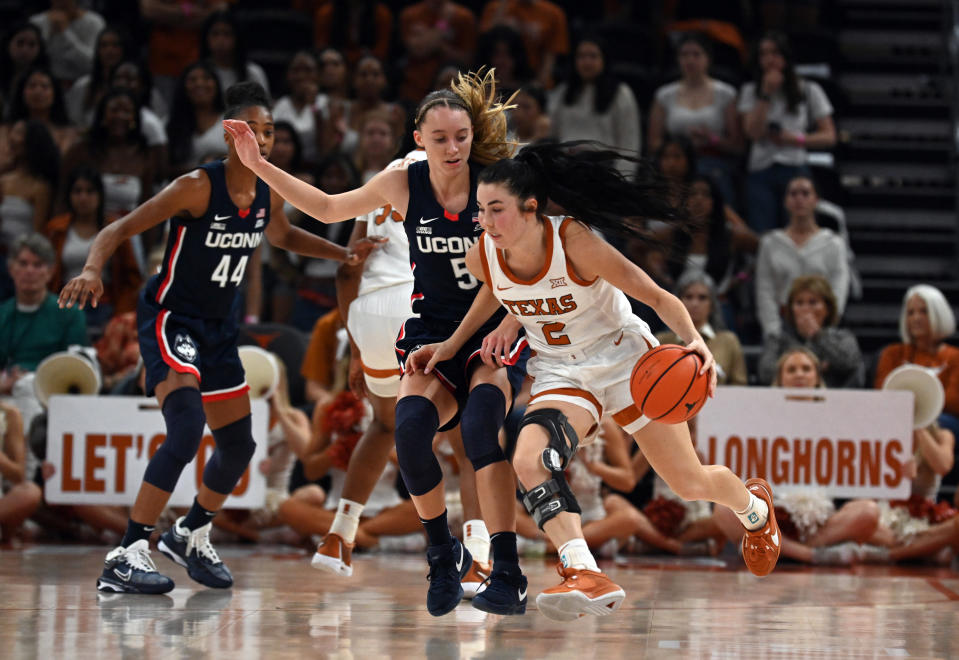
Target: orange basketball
666,385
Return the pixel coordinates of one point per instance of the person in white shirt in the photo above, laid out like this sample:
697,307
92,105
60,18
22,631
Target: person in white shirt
70,34
221,44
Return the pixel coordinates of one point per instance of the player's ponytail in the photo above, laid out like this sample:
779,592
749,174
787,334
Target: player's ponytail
243,95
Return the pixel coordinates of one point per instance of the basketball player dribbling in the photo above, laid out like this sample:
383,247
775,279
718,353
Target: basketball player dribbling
565,286
187,320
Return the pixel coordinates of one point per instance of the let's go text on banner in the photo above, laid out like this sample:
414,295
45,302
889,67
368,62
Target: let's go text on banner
847,443
100,446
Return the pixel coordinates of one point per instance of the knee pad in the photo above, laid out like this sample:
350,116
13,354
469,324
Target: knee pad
547,500
183,414
550,498
416,422
234,449
480,423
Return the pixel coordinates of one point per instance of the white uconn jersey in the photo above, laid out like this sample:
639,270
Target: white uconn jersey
561,313
389,264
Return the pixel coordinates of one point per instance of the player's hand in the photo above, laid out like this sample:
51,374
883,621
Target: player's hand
426,357
497,344
85,286
709,363
356,379
244,141
362,248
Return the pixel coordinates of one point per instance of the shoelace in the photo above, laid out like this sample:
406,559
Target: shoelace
140,560
200,539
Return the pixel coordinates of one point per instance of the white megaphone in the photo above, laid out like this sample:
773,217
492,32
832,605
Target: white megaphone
929,395
262,371
69,372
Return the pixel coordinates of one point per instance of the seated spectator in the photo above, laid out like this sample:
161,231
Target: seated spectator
222,46
502,48
704,110
319,363
19,496
433,32
22,47
27,191
810,316
529,119
82,98
355,27
544,29
594,105
778,108
134,77
369,87
72,234
37,96
195,127
70,34
118,352
802,248
697,290
304,106
377,145
338,135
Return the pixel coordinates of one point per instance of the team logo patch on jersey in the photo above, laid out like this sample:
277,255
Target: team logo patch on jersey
259,223
220,226
185,347
261,213
558,282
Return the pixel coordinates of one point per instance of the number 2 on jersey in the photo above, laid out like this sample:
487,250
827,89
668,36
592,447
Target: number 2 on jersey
220,275
552,333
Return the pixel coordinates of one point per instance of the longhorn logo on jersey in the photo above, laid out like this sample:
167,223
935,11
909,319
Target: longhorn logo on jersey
185,347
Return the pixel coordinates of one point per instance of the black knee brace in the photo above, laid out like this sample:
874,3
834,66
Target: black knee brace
550,498
480,423
416,422
234,449
183,414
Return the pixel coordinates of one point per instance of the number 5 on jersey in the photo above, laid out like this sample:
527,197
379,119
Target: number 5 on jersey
222,273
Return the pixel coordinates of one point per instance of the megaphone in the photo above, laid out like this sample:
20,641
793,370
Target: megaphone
65,373
929,395
262,371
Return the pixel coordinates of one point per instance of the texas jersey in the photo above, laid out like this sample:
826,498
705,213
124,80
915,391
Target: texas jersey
206,257
443,287
560,311
389,264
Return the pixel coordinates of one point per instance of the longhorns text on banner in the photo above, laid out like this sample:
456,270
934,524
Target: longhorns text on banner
100,447
847,443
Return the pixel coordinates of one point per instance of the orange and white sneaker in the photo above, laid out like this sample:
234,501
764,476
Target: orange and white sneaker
582,592
761,547
475,579
333,556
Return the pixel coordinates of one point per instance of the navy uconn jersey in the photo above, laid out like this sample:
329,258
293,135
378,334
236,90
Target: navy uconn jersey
443,287
206,257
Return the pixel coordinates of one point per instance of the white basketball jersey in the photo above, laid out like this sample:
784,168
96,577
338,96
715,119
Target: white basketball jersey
388,265
561,312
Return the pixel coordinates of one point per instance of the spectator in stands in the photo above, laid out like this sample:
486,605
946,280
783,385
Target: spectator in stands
369,87
544,29
354,27
22,48
38,96
338,135
594,105
70,34
72,234
502,48
433,32
529,119
134,77
19,496
319,363
27,191
195,126
926,319
81,99
118,352
377,145
704,110
222,45
304,106
802,248
783,115
697,290
810,316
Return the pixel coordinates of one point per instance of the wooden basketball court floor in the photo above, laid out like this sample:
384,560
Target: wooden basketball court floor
282,608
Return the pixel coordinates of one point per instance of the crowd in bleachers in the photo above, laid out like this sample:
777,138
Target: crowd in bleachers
103,103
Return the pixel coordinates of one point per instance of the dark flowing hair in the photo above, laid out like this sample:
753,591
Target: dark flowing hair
514,43
340,29
606,83
182,122
239,44
18,107
689,153
582,177
41,153
791,87
97,135
98,78
296,163
87,173
718,244
7,69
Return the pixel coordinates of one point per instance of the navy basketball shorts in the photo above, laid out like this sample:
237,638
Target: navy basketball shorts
206,348
456,372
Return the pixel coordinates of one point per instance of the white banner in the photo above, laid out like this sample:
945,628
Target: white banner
100,447
848,443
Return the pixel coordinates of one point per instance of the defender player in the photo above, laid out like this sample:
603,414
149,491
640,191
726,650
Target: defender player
187,318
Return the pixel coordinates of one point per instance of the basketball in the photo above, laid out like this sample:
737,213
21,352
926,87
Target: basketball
666,385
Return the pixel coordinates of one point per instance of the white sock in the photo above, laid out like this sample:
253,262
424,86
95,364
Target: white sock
755,514
576,554
476,539
347,519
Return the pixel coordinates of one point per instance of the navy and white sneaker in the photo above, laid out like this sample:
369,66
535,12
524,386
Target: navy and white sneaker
131,571
504,594
194,552
449,563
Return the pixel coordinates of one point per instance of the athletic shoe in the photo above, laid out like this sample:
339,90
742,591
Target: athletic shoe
194,552
582,592
475,580
334,555
130,570
504,594
449,564
761,547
